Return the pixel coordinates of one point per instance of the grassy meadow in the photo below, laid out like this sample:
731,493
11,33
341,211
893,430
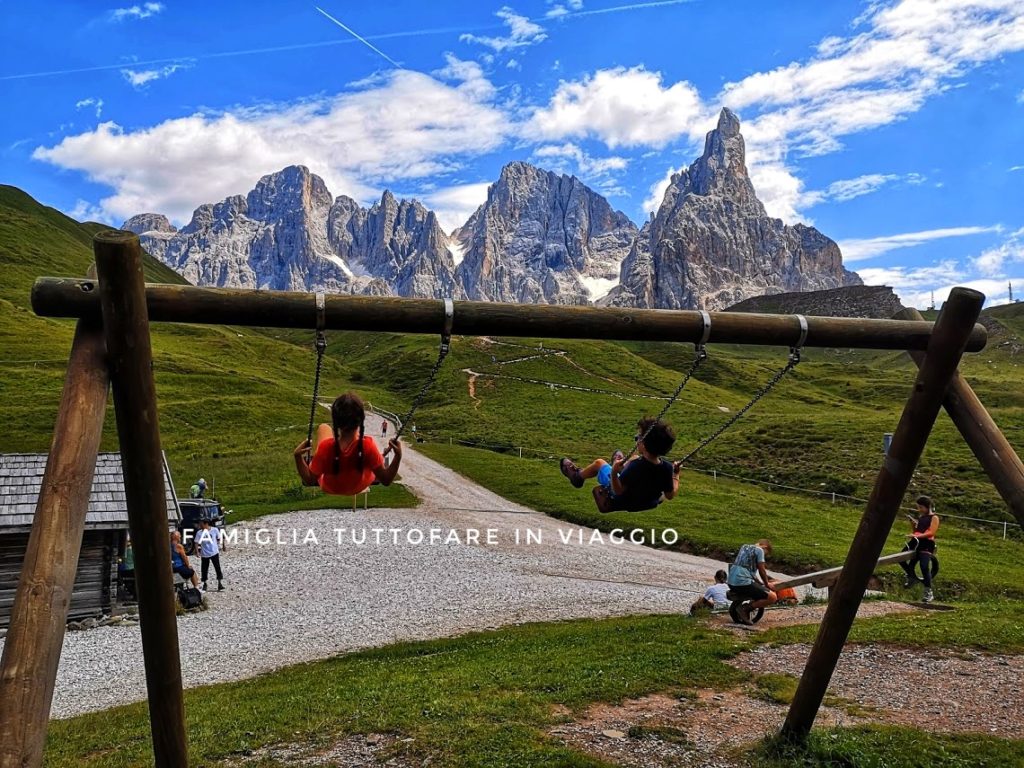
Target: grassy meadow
234,402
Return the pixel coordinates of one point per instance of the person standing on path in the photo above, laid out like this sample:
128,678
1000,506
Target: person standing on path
210,540
922,541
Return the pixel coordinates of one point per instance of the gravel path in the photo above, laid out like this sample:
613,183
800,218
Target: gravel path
292,602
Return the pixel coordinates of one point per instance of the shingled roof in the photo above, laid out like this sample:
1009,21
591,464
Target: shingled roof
21,476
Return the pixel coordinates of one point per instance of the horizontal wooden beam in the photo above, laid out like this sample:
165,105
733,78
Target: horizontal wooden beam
66,297
829,575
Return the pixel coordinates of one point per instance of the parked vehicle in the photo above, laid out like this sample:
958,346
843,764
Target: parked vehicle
194,510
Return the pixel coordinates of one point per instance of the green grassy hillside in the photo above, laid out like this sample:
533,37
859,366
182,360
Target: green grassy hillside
234,401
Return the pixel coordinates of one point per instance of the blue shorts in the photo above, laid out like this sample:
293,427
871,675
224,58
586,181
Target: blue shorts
604,475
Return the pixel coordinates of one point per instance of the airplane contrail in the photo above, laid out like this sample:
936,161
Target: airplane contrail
325,43
363,40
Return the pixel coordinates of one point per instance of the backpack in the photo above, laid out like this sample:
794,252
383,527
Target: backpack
190,597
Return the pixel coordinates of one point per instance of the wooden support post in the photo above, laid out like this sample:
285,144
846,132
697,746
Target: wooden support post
995,454
31,655
944,351
126,324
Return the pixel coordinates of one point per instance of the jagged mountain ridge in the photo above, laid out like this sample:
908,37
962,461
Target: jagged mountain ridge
711,243
540,237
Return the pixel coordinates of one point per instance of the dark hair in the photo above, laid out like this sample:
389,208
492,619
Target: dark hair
660,436
925,501
721,576
347,412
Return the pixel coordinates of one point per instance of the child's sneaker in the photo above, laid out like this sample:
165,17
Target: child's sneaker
572,472
928,596
204,586
910,581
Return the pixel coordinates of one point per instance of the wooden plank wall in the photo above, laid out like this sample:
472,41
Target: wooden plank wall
95,582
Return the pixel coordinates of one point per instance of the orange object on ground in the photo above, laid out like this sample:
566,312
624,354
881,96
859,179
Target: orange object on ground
787,595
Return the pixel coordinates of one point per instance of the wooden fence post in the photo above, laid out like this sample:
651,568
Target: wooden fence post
993,451
944,351
32,649
126,324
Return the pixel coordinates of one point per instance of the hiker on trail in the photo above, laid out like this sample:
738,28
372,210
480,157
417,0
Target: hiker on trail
638,484
748,579
922,541
384,429
210,541
179,560
345,460
714,596
198,489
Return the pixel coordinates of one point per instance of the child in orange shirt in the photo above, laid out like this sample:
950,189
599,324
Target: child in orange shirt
346,460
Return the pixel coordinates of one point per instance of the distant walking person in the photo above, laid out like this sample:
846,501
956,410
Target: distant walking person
922,541
210,540
384,429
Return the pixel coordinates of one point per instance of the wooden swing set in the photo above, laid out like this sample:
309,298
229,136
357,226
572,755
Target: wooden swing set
111,346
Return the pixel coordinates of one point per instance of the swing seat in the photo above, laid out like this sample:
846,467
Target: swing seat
606,502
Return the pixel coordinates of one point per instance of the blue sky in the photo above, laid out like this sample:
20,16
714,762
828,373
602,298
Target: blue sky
897,128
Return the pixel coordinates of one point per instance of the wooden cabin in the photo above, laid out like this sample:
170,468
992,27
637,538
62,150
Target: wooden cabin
104,540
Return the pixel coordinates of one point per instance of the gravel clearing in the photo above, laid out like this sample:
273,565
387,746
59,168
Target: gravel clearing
288,603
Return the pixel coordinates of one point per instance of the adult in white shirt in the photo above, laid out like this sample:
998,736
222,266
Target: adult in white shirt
209,540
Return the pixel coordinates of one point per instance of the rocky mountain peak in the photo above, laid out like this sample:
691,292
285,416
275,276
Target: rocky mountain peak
722,168
712,244
292,190
149,222
542,237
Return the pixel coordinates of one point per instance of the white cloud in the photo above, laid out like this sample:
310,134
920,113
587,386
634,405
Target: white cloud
621,107
911,51
559,156
657,191
91,102
560,9
410,127
847,189
454,205
143,11
521,33
917,287
86,211
867,248
993,261
140,78
468,74
1017,168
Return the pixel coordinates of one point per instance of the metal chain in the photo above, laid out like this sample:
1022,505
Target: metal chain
700,356
446,342
423,390
794,358
320,300
321,346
